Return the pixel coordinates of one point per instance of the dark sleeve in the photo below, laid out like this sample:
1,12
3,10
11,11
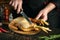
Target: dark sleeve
56,2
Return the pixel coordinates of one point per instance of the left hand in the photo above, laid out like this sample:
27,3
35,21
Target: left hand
43,13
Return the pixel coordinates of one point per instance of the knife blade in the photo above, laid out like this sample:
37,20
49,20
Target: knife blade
26,17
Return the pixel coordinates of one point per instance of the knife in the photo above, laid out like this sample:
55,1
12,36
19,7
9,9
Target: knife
26,17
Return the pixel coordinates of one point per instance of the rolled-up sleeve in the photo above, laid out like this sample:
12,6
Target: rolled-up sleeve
56,2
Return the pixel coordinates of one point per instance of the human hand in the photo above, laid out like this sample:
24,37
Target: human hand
43,14
17,4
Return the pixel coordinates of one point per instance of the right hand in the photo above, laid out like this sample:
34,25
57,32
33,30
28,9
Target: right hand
17,4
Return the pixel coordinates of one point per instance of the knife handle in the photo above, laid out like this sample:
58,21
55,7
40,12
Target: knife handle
25,16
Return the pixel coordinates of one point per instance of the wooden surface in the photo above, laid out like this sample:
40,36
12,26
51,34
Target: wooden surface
14,36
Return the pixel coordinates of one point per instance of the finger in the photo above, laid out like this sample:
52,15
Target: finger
38,16
10,2
19,7
15,5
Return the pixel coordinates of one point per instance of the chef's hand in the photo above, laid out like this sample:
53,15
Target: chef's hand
44,12
17,4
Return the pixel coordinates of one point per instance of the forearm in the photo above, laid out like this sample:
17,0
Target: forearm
49,7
